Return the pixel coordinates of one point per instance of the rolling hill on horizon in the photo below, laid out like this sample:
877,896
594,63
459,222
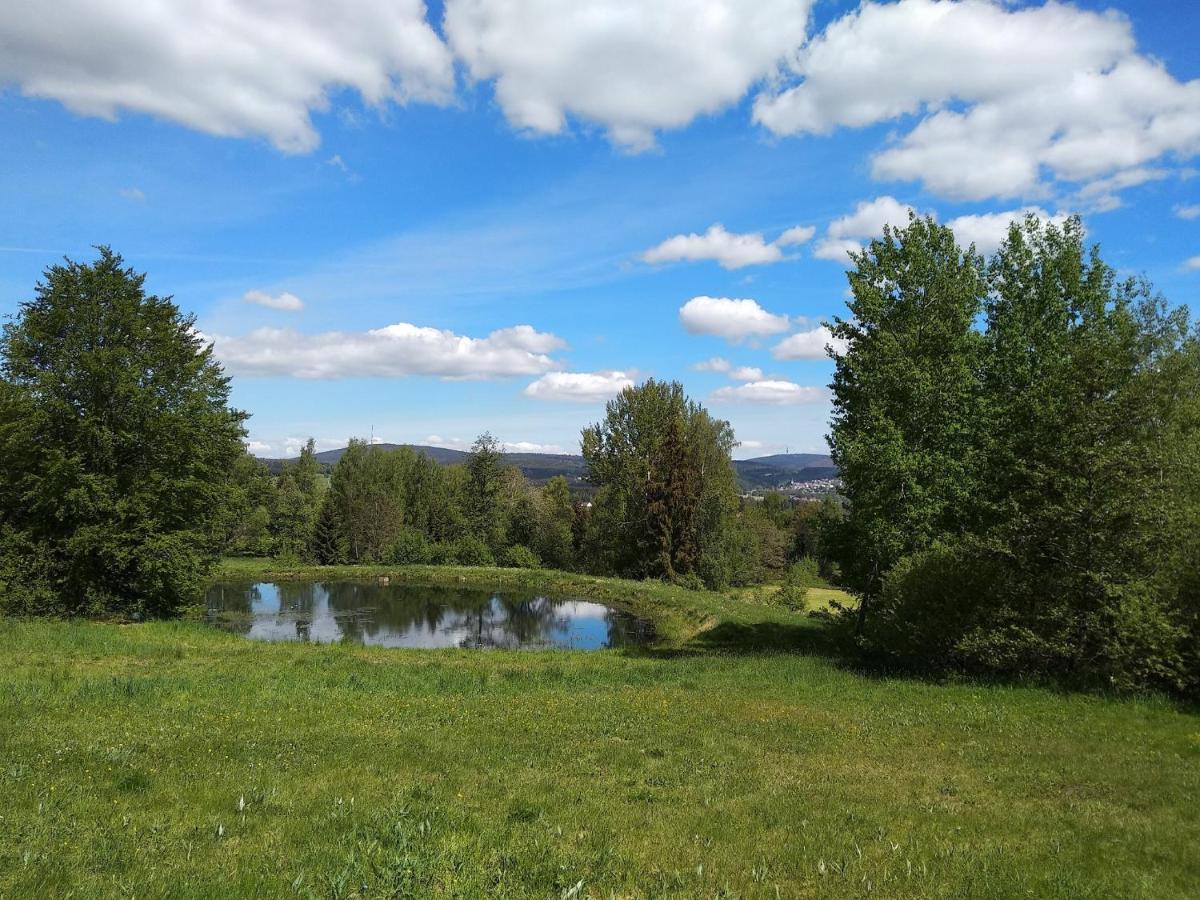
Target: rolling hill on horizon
761,472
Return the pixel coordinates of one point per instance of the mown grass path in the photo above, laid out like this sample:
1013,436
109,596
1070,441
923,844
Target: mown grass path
171,759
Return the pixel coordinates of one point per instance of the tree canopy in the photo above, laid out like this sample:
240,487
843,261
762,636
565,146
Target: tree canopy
667,489
1020,446
118,442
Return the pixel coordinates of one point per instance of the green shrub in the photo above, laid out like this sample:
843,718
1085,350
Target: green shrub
959,605
411,548
691,581
471,551
803,574
519,557
25,587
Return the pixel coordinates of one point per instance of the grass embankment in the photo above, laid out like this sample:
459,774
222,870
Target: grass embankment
174,759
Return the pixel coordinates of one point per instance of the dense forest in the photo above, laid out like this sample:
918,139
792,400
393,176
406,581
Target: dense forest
1018,438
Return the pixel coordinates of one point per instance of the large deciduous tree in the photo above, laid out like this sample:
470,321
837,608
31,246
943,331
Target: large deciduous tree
118,443
1021,453
666,485
905,398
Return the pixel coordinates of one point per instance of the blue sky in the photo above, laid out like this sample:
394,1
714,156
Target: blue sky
408,186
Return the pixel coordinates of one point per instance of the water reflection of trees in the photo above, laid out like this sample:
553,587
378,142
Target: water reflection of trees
405,614
626,630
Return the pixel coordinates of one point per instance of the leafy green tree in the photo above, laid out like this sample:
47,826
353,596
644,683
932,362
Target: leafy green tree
298,504
329,546
250,508
667,489
367,492
1085,377
118,444
906,399
484,509
1039,517
554,540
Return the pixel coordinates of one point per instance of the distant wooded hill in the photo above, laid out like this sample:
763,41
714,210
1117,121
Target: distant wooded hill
761,472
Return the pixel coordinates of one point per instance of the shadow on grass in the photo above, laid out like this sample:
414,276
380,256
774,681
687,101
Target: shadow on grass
827,641
807,638
753,639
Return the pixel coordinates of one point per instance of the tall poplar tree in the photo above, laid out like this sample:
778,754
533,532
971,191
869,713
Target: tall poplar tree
905,399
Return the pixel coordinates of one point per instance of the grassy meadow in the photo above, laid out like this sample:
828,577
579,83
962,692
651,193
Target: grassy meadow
736,759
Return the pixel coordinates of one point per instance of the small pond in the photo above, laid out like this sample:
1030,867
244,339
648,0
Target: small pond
404,615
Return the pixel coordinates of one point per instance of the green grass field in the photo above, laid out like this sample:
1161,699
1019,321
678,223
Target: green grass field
171,759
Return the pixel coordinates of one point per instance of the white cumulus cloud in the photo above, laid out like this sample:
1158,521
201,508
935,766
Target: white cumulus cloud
746,373
284,301
985,230
731,319
808,345
845,234
724,366
1188,212
530,447
730,249
799,234
988,230
393,351
631,66
1192,263
777,393
579,387
225,67
1007,98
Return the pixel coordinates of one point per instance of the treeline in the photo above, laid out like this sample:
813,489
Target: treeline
665,505
1019,442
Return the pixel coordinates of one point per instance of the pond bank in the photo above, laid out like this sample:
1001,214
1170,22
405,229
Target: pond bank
680,616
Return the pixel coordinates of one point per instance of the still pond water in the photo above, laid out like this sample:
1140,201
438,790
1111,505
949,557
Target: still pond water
398,615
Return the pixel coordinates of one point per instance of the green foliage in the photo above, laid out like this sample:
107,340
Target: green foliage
1032,509
26,575
803,575
554,541
905,398
667,487
410,548
252,502
329,542
118,444
483,506
469,550
518,557
367,492
298,504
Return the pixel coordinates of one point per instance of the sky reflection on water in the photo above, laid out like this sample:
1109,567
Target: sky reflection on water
416,616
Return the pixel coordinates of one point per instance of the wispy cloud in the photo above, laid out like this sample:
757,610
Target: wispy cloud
775,393
284,301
